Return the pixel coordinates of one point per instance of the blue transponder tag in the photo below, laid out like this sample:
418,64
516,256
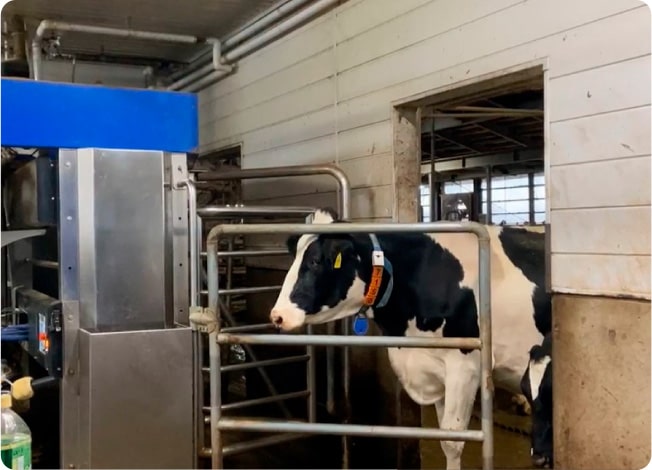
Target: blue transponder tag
360,325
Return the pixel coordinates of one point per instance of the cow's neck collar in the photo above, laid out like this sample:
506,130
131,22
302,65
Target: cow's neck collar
380,265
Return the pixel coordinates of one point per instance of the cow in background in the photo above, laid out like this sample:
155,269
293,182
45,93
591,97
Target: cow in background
429,288
536,385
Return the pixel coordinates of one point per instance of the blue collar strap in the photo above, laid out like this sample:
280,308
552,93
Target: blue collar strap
380,265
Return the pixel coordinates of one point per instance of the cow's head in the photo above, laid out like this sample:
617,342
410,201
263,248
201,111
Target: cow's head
322,283
536,385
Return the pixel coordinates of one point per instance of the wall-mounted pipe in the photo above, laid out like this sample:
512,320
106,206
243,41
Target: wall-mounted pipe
255,26
205,78
50,25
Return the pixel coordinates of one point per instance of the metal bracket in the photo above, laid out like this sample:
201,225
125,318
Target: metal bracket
378,258
203,319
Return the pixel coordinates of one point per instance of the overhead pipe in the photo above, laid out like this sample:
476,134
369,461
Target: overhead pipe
50,25
255,26
205,77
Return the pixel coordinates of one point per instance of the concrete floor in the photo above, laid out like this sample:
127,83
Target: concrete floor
511,450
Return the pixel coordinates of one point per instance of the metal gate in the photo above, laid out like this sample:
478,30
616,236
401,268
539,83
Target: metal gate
238,214
210,321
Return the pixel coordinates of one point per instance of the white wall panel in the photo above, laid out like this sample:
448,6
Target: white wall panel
427,21
623,230
293,131
359,142
294,48
324,94
601,274
609,136
284,81
614,183
596,48
356,17
486,36
303,100
621,85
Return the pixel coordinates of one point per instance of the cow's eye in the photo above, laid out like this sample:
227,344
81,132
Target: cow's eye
314,263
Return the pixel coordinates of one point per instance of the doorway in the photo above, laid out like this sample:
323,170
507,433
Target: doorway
479,151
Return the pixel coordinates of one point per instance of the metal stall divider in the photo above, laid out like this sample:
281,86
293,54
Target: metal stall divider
238,213
219,336
344,209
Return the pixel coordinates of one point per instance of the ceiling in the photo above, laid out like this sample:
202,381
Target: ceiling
216,18
503,131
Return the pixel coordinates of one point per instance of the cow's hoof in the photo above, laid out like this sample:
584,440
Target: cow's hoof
522,405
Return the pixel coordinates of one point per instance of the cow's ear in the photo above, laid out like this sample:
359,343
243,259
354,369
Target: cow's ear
337,250
291,243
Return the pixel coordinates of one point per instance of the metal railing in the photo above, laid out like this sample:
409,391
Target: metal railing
240,213
218,336
344,208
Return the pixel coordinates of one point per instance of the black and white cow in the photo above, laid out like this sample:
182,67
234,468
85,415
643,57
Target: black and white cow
536,385
435,293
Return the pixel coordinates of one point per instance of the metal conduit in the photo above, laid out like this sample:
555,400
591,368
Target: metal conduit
204,77
255,26
220,423
49,25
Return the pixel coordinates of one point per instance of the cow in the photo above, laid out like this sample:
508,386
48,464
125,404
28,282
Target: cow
536,386
428,288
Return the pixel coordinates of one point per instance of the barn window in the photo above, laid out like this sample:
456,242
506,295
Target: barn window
516,199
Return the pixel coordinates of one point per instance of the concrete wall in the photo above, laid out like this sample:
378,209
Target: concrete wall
324,94
602,384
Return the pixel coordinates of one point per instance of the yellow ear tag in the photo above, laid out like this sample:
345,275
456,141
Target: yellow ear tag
338,261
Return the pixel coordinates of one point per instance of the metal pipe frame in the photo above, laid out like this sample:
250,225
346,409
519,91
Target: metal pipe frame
264,400
373,341
350,429
246,290
254,360
245,253
242,211
49,25
254,26
219,424
344,208
194,228
244,328
265,363
225,212
257,42
42,263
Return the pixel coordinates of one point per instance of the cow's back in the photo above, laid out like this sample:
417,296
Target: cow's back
513,327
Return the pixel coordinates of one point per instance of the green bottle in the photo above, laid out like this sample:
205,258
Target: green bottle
16,438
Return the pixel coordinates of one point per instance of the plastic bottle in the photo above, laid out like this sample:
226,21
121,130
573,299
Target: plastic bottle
16,438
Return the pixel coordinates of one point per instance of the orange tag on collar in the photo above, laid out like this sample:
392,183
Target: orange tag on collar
338,261
374,285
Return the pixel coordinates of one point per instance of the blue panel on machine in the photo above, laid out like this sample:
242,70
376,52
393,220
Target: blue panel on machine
63,115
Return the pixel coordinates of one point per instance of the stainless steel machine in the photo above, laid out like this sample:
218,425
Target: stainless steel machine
96,244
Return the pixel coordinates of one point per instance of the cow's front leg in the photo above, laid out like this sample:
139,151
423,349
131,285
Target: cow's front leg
462,382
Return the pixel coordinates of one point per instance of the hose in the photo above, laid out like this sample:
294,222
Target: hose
14,333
